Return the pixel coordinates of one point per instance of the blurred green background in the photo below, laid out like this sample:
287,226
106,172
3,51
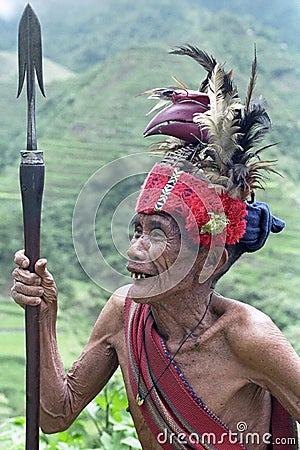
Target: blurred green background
98,56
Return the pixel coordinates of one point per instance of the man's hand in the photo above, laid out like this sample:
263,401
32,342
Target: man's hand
32,289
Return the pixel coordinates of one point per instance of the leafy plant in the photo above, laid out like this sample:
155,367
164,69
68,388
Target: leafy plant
103,425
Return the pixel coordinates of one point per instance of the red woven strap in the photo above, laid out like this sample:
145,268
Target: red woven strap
170,403
284,429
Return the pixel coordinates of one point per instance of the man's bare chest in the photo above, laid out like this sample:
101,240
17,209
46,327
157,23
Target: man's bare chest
211,369
214,374
217,377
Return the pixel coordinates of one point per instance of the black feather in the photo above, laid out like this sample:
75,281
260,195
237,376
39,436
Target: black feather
228,85
208,62
204,85
253,126
202,58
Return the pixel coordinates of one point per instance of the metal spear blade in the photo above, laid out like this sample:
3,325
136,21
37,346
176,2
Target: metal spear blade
30,52
30,63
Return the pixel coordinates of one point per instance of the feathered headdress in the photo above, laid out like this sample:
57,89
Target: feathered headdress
228,131
211,166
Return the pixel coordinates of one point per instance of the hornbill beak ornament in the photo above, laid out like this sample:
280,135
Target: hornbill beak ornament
177,119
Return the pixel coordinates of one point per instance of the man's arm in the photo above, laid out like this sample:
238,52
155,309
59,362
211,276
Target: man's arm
64,395
272,361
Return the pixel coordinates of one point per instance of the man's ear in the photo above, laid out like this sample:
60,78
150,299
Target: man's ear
223,261
213,261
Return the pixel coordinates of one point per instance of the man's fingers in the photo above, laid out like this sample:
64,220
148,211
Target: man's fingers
23,300
21,260
33,288
30,291
26,277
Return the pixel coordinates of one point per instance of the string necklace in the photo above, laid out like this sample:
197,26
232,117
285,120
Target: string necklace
140,398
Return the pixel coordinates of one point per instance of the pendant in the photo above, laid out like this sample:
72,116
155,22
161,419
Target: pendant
139,400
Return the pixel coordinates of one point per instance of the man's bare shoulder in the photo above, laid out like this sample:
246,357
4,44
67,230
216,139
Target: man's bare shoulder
111,317
238,312
252,335
244,325
117,299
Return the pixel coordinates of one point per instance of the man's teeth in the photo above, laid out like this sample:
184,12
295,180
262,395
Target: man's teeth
138,276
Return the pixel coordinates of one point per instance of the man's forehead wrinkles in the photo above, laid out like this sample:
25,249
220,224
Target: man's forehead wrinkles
155,224
155,219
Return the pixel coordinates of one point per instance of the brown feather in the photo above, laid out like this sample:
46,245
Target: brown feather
252,82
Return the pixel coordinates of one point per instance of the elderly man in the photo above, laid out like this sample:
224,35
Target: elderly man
201,371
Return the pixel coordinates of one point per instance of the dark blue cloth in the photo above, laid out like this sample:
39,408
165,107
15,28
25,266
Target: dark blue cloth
260,222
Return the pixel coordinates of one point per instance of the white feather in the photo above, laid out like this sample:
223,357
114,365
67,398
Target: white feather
219,120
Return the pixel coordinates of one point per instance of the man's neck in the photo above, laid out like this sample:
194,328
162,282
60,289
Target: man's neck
177,315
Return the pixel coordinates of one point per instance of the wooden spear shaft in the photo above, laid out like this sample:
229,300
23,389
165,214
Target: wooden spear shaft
31,185
32,182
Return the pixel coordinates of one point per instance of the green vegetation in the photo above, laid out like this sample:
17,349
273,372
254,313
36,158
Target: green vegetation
90,117
104,424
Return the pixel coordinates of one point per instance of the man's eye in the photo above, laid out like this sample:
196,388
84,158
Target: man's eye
137,232
157,235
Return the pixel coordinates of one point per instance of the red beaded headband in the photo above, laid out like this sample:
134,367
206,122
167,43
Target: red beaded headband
206,213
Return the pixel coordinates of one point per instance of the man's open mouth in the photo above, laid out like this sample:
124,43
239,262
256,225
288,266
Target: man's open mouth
139,275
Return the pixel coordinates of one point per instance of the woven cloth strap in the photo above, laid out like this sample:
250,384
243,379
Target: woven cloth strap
175,415
284,428
173,412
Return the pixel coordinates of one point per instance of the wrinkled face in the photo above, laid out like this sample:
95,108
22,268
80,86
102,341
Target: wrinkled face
159,261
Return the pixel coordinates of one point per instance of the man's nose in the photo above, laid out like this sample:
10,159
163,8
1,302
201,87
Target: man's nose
137,250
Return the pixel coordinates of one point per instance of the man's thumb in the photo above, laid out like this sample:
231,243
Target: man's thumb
40,267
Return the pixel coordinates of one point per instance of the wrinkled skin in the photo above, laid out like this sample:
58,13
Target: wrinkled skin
233,361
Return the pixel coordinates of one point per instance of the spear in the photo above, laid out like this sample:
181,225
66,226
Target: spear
31,186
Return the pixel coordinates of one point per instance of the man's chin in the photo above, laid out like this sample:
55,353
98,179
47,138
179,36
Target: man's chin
141,290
